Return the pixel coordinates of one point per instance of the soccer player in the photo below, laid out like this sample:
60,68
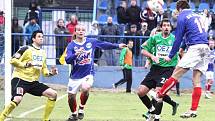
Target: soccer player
80,54
156,48
189,25
29,62
210,70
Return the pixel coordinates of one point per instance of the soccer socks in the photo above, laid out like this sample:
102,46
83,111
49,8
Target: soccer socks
208,87
72,104
83,98
146,101
167,86
177,88
168,100
196,97
7,110
48,109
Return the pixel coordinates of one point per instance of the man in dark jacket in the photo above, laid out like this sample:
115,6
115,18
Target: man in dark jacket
133,13
122,17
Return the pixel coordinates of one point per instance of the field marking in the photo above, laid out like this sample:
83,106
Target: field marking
38,108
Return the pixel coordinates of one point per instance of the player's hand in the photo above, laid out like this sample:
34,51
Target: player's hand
54,70
155,59
167,59
28,64
79,51
122,45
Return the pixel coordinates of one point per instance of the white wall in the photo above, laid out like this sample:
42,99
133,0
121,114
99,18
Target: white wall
2,5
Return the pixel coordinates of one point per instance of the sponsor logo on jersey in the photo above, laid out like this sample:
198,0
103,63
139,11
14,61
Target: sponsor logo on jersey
84,58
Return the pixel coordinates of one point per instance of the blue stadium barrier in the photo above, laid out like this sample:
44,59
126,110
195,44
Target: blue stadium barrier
105,76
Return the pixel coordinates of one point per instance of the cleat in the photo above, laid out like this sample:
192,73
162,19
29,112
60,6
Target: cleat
174,109
207,95
189,114
114,86
73,117
80,114
151,117
146,115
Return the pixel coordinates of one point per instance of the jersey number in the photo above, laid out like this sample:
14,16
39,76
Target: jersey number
200,24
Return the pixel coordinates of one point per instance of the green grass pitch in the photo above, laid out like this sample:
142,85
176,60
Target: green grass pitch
110,106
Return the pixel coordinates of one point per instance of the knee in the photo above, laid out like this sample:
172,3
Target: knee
17,99
140,92
86,87
53,94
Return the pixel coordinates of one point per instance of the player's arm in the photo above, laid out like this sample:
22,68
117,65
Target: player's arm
107,45
70,55
179,34
147,49
16,58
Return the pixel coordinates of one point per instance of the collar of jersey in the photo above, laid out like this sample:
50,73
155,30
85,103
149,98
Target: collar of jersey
80,43
35,47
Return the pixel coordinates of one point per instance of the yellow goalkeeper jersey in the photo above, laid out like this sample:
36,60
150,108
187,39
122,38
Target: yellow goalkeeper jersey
25,54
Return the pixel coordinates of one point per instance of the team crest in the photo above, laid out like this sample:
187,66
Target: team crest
88,45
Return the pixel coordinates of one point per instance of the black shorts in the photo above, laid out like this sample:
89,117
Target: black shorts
157,76
20,87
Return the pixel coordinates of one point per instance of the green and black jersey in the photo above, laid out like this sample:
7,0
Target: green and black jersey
161,47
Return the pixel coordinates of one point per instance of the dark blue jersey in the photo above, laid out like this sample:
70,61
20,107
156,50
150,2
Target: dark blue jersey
189,24
83,63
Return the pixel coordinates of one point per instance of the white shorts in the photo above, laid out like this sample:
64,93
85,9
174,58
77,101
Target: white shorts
209,75
75,84
196,58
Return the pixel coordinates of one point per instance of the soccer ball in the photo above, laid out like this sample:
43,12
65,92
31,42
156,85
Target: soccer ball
155,5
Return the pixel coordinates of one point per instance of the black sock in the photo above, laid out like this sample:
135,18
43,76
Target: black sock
158,108
168,100
146,101
177,88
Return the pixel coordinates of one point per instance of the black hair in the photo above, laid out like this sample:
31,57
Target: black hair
183,4
165,20
34,34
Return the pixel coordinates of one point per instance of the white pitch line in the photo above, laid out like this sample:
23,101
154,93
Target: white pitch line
38,108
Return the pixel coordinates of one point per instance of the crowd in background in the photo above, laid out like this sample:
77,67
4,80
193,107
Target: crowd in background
132,20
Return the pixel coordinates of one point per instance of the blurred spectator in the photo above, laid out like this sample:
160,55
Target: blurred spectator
144,31
212,27
174,20
155,30
155,5
17,40
150,17
206,17
73,21
33,11
136,49
94,30
60,41
110,29
133,13
2,20
29,28
110,56
122,17
160,16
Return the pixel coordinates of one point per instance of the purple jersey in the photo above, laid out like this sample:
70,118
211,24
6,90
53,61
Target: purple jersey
83,64
190,25
212,60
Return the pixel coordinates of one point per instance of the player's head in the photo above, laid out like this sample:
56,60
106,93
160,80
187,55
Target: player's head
37,37
80,31
130,44
166,26
182,4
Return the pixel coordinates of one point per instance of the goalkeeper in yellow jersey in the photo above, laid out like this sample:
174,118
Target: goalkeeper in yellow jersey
29,62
